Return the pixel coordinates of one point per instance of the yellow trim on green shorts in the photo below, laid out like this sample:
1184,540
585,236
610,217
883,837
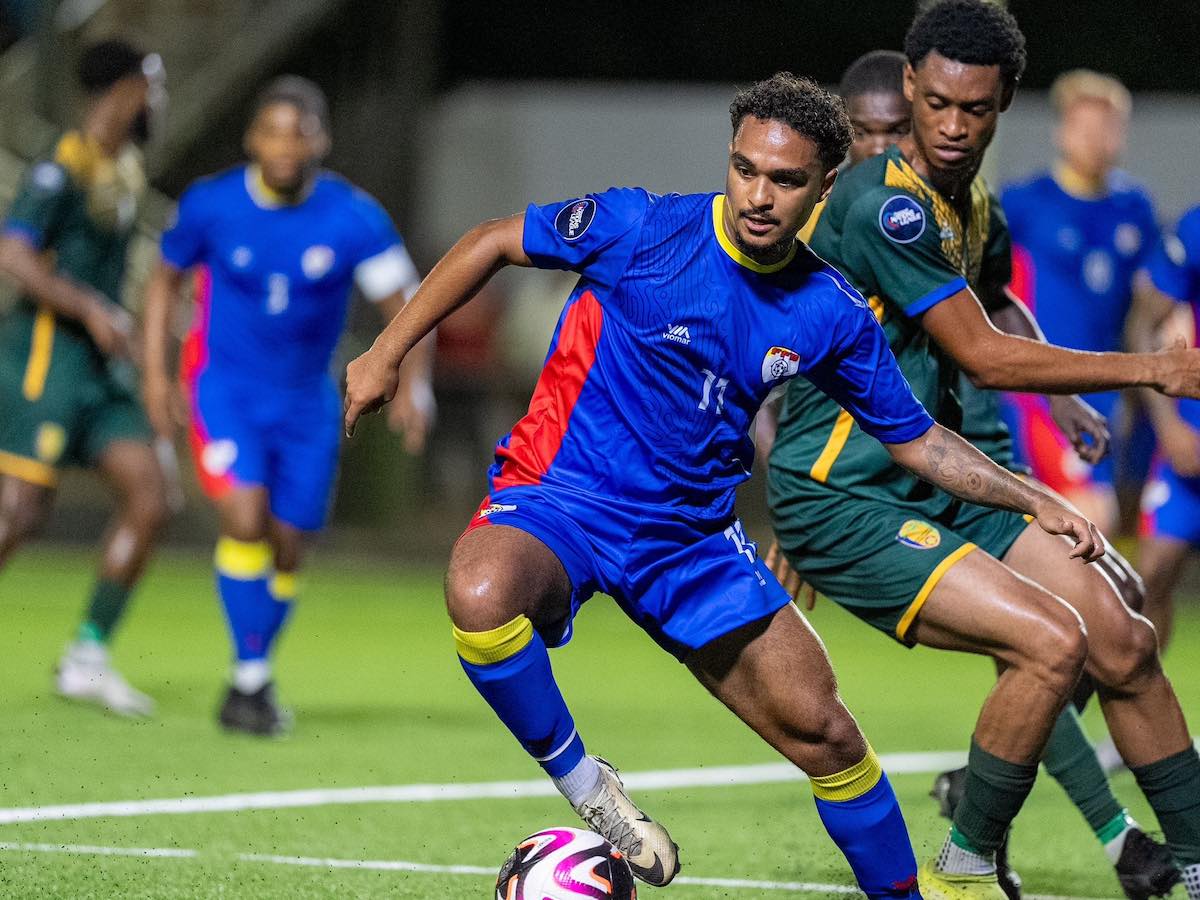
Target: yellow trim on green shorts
32,470
40,349
486,647
850,784
931,582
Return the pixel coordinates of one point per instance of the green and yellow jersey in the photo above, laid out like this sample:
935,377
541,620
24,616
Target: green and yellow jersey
905,248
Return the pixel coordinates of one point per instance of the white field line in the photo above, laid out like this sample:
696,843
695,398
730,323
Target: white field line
712,776
389,865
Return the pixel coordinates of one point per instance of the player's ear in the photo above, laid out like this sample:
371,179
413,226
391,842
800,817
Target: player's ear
910,79
827,184
321,144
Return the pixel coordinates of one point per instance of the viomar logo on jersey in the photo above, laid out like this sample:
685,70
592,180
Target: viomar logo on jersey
780,362
574,218
678,333
902,219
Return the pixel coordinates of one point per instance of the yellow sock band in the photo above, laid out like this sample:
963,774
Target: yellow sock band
850,784
243,560
285,585
497,645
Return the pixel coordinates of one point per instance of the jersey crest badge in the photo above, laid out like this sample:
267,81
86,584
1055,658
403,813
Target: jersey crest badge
574,219
316,261
918,535
902,219
780,362
50,443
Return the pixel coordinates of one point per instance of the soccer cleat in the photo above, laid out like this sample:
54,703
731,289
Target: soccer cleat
948,789
1146,868
85,674
647,847
937,885
257,713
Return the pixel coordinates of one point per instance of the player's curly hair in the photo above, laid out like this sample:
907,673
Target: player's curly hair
877,72
299,92
104,63
975,32
804,107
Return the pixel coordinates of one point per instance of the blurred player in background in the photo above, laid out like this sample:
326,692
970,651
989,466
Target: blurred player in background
689,312
277,246
1171,502
873,88
1080,234
920,234
68,393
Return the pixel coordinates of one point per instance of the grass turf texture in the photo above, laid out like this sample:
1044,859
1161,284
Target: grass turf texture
368,667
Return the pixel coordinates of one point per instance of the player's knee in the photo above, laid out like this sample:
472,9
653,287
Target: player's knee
1059,650
148,508
21,523
1132,660
474,598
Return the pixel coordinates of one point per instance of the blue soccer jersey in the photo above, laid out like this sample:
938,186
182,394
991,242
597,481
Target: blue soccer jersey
1175,270
272,289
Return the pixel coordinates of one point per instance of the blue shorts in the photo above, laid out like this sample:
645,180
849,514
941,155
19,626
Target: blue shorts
245,434
1171,506
686,582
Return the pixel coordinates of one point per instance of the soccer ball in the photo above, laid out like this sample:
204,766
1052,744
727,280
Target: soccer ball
565,864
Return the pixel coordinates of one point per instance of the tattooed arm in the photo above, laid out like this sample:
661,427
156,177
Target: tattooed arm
944,459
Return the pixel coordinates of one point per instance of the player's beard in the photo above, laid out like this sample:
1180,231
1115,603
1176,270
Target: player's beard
769,254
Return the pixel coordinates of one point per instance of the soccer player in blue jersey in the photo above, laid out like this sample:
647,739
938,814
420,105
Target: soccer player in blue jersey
276,247
689,311
1080,232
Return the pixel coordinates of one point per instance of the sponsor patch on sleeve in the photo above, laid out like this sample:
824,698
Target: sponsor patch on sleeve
902,219
574,219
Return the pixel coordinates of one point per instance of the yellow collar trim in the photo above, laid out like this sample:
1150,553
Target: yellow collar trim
737,255
1077,185
267,197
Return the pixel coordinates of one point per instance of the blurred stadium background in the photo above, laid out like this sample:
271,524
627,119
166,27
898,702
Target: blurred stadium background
452,111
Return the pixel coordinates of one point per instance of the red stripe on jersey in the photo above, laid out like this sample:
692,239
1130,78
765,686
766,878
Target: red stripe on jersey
193,359
536,439
1022,283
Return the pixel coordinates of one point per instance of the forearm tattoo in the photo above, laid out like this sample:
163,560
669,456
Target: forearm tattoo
956,467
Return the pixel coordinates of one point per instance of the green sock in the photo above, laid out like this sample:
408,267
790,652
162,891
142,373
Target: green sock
1071,761
995,791
1172,787
108,602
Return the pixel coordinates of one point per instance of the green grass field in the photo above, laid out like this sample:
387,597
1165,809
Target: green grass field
369,669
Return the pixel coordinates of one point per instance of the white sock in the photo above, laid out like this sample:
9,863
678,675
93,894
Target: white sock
249,676
954,860
1191,880
1114,847
581,781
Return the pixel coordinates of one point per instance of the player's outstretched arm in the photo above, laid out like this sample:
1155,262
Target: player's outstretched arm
998,361
944,459
110,326
158,390
372,379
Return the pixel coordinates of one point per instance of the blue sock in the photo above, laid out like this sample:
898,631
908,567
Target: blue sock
242,572
283,589
861,814
510,668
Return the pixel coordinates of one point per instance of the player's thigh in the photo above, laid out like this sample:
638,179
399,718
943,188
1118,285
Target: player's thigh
228,446
24,507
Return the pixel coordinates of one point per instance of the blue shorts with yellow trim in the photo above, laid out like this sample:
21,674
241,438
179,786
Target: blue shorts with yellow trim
880,560
686,582
61,402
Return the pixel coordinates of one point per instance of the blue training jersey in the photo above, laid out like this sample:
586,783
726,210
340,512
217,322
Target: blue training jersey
1175,269
275,279
1074,259
671,341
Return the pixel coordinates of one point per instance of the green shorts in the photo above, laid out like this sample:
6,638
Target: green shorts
878,559
61,403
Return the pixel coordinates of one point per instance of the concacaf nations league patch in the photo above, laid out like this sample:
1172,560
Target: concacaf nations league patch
574,218
902,219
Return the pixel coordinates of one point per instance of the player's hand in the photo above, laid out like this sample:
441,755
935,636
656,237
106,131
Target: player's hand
111,328
797,588
371,381
1180,443
1054,518
1078,421
1181,375
412,414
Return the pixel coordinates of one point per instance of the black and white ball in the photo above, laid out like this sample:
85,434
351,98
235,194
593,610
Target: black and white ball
565,864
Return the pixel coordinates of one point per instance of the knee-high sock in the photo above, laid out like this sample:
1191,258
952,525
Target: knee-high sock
284,588
995,792
1071,761
243,569
861,814
1172,787
108,602
510,668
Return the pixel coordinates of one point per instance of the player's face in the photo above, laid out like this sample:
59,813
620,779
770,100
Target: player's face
880,120
129,101
287,144
775,179
1091,137
955,109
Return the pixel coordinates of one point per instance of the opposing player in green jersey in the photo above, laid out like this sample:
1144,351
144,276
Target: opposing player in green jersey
919,234
873,88
67,391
